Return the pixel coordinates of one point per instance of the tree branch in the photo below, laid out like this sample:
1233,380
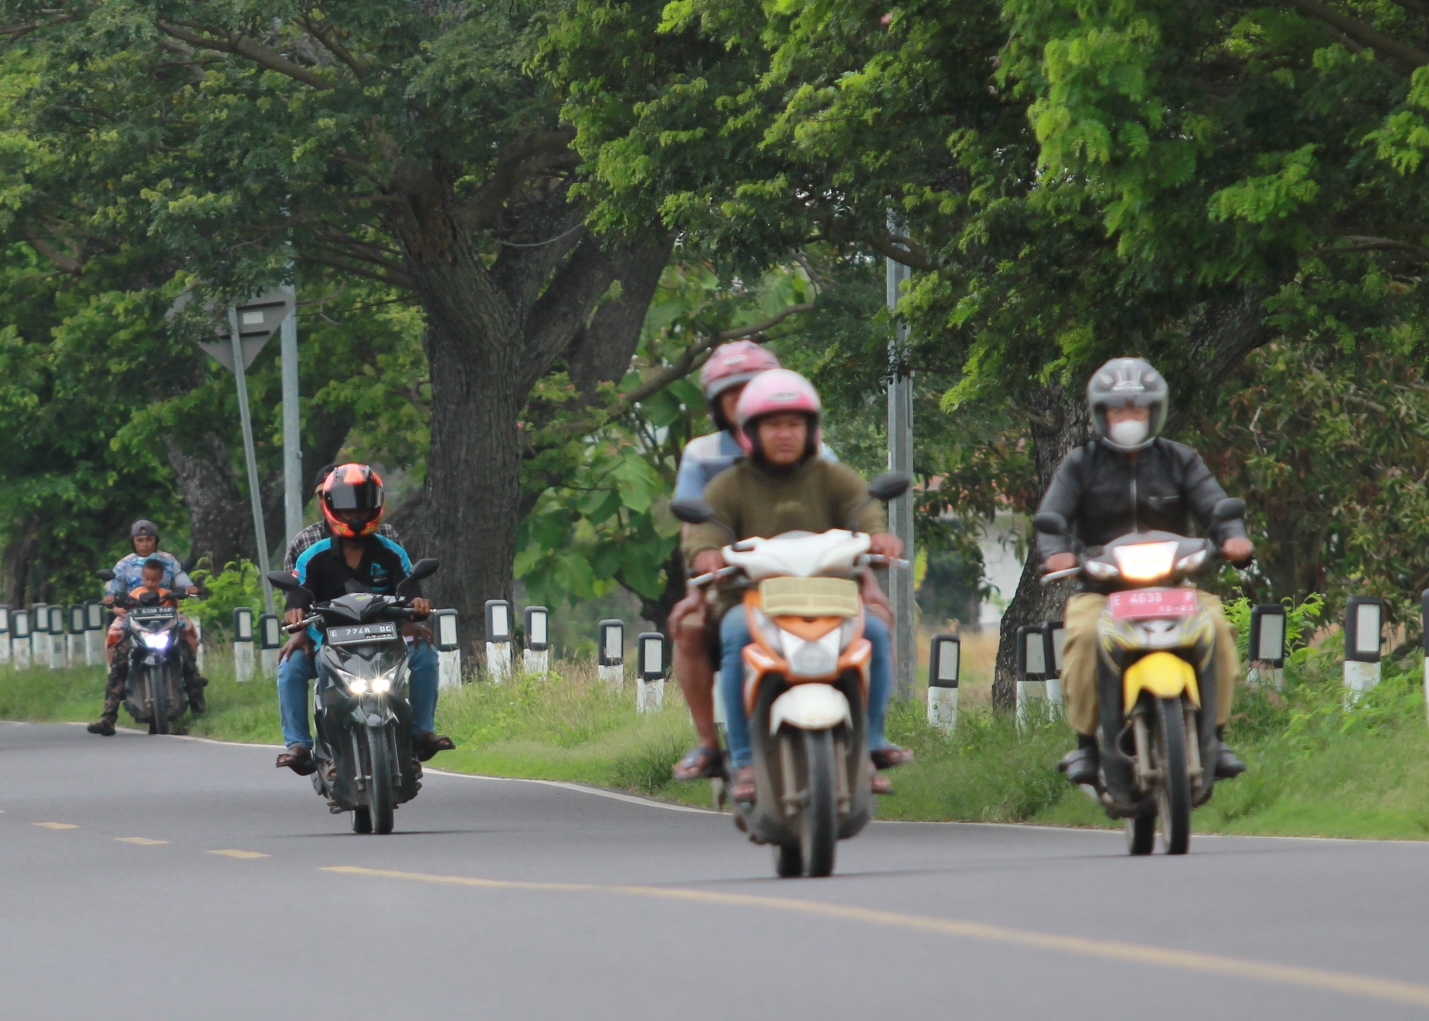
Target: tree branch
327,35
1361,243
518,158
64,261
235,43
900,249
1360,32
401,281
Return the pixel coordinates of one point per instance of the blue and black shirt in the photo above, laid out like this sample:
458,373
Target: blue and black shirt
322,570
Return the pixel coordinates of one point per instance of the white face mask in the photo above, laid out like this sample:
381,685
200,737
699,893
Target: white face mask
1127,433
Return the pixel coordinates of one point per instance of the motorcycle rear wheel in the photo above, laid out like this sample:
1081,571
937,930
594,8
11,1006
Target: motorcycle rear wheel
821,815
380,794
1173,794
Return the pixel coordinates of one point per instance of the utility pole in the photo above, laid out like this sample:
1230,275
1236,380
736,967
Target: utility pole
255,495
900,511
292,424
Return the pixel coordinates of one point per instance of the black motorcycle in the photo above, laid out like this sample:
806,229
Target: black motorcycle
154,688
363,736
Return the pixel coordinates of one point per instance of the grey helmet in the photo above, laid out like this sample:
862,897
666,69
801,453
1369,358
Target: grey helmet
1123,383
143,527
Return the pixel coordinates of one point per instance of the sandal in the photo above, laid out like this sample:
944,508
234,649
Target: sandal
429,743
743,788
880,784
298,758
698,764
890,756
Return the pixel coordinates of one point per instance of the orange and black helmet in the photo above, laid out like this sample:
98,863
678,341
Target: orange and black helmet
352,500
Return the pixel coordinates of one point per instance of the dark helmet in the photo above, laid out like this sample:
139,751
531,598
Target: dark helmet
321,477
352,488
143,527
1126,383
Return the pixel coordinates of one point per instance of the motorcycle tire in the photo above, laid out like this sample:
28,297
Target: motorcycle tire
788,861
1141,834
1173,795
159,700
380,795
362,820
820,831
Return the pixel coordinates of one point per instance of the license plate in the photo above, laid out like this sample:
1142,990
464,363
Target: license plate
153,612
1162,602
382,631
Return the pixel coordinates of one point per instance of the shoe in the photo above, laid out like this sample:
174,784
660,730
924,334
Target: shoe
197,702
298,758
891,756
428,743
1080,765
104,726
1228,763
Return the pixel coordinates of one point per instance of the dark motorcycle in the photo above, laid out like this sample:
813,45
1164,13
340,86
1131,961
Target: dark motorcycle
154,689
363,735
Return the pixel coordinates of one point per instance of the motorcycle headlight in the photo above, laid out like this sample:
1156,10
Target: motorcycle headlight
1146,561
381,685
353,683
158,642
818,658
1193,561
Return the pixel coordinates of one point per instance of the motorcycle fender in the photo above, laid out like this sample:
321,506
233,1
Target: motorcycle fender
810,707
1164,676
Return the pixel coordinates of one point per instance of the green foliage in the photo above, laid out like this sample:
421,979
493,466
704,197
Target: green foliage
238,584
1301,619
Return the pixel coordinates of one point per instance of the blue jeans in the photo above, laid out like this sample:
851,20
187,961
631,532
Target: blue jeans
295,675
734,636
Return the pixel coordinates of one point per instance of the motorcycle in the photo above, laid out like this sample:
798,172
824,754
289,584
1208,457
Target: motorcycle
362,718
1155,680
154,688
806,684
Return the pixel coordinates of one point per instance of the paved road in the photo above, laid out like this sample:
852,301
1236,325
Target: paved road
162,878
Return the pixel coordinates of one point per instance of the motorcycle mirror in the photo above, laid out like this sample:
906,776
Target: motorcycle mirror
187,563
105,574
424,568
692,510
1049,523
890,486
1228,509
283,580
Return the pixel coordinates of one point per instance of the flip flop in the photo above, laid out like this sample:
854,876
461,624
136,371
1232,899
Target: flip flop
891,756
880,784
699,764
743,788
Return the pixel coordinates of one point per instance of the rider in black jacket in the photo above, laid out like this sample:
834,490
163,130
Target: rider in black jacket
1128,479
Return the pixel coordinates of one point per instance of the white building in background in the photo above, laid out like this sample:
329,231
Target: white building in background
1002,565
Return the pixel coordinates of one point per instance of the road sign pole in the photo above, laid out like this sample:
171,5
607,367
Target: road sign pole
254,493
292,424
900,511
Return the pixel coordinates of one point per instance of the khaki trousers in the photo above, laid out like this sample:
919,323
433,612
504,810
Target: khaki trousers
1079,659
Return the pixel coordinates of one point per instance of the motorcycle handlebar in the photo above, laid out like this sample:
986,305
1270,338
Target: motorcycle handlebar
397,611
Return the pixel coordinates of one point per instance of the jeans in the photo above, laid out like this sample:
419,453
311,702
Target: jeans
734,636
295,675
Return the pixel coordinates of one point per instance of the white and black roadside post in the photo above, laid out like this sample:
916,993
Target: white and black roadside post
58,660
1364,625
1031,670
40,637
1054,644
944,662
74,637
650,671
94,633
243,644
1267,645
20,639
536,659
498,640
444,627
612,652
270,643
4,634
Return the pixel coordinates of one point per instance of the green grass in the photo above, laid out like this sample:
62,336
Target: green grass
1317,767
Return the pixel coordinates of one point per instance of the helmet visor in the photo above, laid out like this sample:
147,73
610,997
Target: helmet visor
360,496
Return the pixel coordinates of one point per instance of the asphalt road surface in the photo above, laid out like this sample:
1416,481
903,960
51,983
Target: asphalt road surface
157,878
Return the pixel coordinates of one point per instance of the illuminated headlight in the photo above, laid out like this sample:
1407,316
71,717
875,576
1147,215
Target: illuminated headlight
1192,562
1100,571
356,685
818,658
158,642
381,685
1146,561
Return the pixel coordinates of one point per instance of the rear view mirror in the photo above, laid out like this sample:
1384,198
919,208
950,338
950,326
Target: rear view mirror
1229,509
890,486
424,568
1049,523
694,510
105,574
187,564
284,580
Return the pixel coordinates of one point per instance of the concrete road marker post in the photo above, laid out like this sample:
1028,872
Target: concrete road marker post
536,657
650,671
4,634
58,660
1267,645
1364,625
1054,643
40,634
74,634
270,643
498,640
243,644
448,639
1031,670
944,663
20,639
611,655
94,630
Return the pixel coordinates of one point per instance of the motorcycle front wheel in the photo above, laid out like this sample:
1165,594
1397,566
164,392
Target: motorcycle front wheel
820,832
159,699
379,794
1173,795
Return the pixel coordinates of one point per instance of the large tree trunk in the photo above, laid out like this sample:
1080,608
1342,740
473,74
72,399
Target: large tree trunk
221,525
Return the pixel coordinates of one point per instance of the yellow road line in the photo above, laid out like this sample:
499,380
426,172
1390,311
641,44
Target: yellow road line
144,841
57,825
1347,983
230,852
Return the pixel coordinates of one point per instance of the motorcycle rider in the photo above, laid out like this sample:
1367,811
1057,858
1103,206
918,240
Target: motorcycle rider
352,504
319,528
1129,479
783,486
128,576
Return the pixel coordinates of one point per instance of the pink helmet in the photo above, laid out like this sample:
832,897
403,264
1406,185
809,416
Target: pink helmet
731,365
772,393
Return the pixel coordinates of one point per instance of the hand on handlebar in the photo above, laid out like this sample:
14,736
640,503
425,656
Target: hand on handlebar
421,606
293,617
885,544
708,561
1059,562
1238,549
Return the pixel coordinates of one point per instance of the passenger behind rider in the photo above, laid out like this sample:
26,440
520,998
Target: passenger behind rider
352,503
129,575
1128,479
783,486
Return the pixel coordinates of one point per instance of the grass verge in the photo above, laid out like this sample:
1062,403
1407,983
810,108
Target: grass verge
1318,768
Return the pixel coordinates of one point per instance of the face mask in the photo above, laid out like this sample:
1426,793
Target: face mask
1128,433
